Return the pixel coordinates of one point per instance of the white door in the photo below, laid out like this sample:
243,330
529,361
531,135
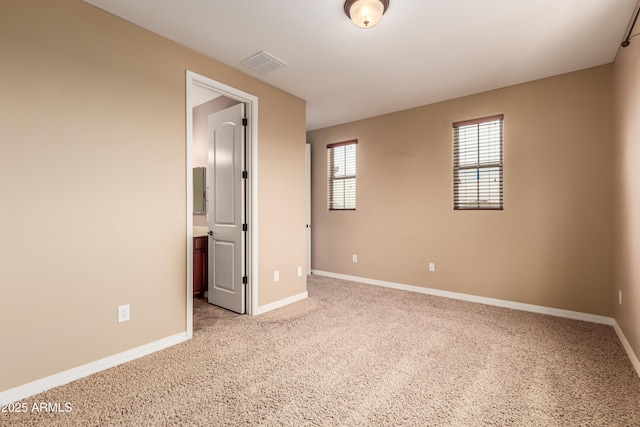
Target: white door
226,209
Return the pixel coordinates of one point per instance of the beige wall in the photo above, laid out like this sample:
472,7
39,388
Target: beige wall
552,243
93,185
627,195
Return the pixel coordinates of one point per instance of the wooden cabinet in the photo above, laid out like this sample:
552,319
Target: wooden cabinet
200,265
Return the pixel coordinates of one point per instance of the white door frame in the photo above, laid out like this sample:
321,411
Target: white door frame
251,103
308,208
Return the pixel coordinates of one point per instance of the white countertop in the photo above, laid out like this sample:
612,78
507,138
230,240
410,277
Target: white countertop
200,231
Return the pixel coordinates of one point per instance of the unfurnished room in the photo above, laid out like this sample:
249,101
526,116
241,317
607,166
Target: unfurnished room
329,213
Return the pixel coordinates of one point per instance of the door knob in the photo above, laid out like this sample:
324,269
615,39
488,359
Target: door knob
210,233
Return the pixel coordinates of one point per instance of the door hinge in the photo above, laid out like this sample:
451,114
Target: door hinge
245,280
245,227
245,174
245,122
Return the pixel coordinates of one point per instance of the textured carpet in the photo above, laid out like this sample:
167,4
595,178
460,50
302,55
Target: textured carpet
356,355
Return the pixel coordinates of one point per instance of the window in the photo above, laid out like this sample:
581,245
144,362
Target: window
477,163
341,173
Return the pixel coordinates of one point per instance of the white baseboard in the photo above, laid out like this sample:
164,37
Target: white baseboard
632,356
56,380
281,303
576,315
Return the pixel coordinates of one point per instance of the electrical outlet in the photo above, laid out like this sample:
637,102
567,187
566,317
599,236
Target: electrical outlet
354,258
123,313
620,297
276,276
299,271
432,266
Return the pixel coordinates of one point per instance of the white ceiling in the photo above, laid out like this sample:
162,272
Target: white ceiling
423,51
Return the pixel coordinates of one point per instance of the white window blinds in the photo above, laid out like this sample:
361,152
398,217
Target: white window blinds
477,163
341,173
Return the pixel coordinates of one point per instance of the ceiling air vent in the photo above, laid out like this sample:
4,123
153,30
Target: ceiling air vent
264,63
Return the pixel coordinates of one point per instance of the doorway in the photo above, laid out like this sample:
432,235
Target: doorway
200,89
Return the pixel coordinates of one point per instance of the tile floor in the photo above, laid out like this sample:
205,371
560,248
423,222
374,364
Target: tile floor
205,314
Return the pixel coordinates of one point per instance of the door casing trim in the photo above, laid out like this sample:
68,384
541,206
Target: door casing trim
251,111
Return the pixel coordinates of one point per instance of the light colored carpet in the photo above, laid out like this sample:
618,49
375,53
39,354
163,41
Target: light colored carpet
356,355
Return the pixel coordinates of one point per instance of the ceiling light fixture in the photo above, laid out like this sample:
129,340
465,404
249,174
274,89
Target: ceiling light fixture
365,13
